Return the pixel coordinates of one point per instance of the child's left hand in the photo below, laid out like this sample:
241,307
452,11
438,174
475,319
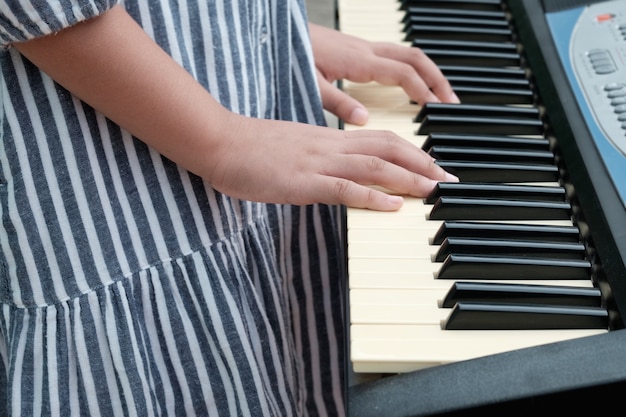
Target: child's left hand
341,56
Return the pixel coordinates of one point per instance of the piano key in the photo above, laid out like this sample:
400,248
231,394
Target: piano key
495,316
506,231
424,306
490,82
412,214
481,14
411,220
416,248
376,259
413,224
466,45
499,247
450,19
469,171
440,31
391,250
396,306
402,306
488,190
410,347
491,72
521,293
515,156
492,5
488,141
477,58
478,110
498,95
442,123
501,267
468,208
406,273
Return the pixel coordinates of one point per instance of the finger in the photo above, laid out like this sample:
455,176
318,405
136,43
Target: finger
396,150
334,190
392,72
424,67
340,104
371,170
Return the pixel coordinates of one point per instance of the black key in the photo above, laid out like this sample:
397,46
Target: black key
491,72
494,5
457,52
477,110
489,82
489,190
469,246
469,171
466,208
496,316
506,231
522,294
473,14
485,141
466,45
479,34
479,125
441,19
512,268
486,95
460,153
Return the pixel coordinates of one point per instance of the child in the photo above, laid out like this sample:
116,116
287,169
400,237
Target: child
170,239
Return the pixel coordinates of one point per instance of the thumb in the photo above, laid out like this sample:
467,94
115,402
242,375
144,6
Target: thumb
340,104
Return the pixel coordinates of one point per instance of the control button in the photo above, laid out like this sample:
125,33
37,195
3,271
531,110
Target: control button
617,93
622,117
614,86
601,62
620,109
604,17
618,101
597,52
605,69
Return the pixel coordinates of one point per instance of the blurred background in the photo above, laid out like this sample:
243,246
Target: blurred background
321,12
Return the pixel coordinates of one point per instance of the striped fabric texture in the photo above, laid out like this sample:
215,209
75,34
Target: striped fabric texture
128,286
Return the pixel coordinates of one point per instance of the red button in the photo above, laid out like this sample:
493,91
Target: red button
604,17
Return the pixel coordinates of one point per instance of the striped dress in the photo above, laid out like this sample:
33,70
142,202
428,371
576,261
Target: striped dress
128,286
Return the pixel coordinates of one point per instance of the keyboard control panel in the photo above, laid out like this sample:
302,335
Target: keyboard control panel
591,42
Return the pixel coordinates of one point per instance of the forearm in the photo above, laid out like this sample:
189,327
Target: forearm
111,64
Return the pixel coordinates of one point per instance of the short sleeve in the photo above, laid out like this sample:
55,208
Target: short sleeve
22,20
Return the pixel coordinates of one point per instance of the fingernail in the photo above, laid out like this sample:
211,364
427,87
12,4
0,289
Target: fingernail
455,98
394,202
451,178
359,116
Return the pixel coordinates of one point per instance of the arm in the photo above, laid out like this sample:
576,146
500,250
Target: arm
111,64
339,56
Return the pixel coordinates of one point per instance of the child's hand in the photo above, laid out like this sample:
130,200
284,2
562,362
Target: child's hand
284,162
341,56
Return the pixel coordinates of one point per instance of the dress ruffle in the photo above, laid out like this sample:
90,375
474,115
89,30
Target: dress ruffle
160,342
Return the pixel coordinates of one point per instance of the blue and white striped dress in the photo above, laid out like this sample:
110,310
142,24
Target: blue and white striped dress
128,286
